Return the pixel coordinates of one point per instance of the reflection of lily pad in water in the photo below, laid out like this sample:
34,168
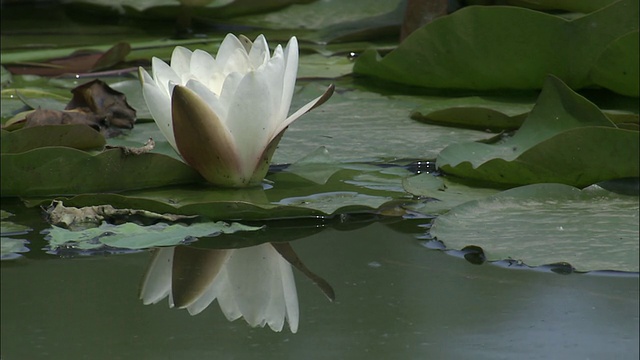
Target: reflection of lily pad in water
10,248
591,229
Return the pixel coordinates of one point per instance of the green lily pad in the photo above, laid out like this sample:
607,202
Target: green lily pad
441,193
617,67
319,66
5,77
565,139
592,229
496,113
339,126
478,112
287,195
582,6
460,51
62,170
320,14
74,136
133,236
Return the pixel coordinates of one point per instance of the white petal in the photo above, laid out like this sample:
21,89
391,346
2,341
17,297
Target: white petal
248,119
159,105
303,110
290,74
204,67
163,74
238,61
157,281
181,60
228,91
209,97
259,53
274,71
229,46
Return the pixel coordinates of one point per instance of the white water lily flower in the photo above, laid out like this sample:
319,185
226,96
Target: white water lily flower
255,283
225,116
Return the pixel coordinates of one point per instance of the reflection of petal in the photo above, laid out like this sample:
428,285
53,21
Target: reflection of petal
259,276
255,283
157,281
193,271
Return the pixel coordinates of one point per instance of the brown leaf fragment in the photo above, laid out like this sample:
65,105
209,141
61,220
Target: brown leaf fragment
56,117
99,98
94,104
126,150
91,216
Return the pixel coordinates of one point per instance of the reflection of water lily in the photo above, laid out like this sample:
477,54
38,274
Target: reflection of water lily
225,116
255,283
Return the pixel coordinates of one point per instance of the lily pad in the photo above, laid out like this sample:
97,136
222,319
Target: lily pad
592,229
565,139
133,236
74,136
286,195
441,193
338,125
61,170
478,112
460,51
617,67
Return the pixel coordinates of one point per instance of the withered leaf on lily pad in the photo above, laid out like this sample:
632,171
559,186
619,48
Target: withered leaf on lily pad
94,104
97,97
82,61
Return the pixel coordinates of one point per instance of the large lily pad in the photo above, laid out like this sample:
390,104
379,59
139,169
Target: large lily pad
565,139
61,170
440,194
592,229
338,125
290,196
495,113
460,51
74,136
617,67
478,112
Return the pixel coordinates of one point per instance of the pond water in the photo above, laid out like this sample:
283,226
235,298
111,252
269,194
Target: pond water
394,298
